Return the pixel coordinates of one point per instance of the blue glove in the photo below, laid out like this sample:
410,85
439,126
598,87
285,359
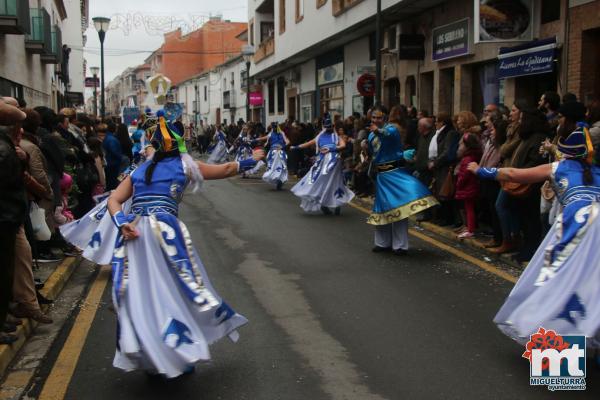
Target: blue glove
246,165
487,173
119,219
409,155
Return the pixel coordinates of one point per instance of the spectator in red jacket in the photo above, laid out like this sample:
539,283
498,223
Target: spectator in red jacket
467,188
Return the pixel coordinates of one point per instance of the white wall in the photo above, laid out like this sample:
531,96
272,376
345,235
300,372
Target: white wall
302,35
356,54
72,37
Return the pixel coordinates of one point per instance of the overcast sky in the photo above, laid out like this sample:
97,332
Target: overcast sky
138,26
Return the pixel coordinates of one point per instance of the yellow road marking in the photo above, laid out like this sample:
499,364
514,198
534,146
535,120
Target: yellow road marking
56,385
481,264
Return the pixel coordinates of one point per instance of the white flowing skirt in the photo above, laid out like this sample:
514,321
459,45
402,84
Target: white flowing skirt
219,154
323,185
276,167
567,302
94,233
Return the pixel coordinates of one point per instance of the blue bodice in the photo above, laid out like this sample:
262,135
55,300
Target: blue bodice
164,192
276,140
568,182
327,140
386,144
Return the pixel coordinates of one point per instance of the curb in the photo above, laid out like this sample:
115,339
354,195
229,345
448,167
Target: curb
52,288
449,235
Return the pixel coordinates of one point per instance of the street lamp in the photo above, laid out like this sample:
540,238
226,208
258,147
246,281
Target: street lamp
101,24
94,71
247,54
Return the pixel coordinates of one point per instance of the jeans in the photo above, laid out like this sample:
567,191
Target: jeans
508,215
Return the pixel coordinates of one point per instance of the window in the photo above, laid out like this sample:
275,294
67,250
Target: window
332,99
205,93
321,3
341,6
232,79
281,16
392,43
306,106
224,83
550,11
266,30
299,10
280,95
271,95
251,33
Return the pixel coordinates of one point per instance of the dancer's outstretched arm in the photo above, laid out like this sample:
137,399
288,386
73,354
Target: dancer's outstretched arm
310,143
222,171
518,175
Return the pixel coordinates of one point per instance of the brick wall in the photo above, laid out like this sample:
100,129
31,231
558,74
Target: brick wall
215,42
582,70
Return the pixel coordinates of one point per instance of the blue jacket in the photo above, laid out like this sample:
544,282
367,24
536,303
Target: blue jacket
112,151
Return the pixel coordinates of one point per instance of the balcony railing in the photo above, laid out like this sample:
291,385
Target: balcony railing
14,17
55,54
39,40
265,49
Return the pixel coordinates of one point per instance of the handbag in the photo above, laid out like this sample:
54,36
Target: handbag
38,222
516,189
447,188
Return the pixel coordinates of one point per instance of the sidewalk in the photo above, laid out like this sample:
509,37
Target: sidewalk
55,276
476,243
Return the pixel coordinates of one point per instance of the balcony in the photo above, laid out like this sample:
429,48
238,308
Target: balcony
39,40
14,17
264,50
55,54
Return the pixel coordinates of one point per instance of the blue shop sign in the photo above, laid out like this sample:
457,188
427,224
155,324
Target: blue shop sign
532,58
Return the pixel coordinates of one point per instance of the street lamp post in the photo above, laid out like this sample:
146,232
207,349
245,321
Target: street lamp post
247,53
95,71
101,24
378,54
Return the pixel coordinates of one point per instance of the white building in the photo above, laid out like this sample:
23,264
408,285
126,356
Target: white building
216,96
310,54
35,65
74,37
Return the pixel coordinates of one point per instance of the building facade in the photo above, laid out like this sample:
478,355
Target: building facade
37,60
216,96
316,56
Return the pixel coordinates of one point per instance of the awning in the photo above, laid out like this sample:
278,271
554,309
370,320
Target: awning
531,58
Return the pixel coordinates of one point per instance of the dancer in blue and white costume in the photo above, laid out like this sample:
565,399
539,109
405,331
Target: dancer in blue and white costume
323,188
560,288
277,172
168,311
398,194
218,153
244,146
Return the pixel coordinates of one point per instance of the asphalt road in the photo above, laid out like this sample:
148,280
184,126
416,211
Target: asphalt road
328,318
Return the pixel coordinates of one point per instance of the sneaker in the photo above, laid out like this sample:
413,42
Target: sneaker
7,338
46,257
71,251
36,315
465,235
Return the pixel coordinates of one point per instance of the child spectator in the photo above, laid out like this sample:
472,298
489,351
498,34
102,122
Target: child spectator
467,188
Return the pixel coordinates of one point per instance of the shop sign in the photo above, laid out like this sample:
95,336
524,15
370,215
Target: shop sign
74,98
411,47
503,20
450,40
528,59
330,74
256,98
366,85
91,82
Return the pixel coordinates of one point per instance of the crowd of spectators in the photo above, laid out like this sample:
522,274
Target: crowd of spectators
51,165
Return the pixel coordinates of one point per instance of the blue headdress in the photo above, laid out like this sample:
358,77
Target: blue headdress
327,123
577,144
166,137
